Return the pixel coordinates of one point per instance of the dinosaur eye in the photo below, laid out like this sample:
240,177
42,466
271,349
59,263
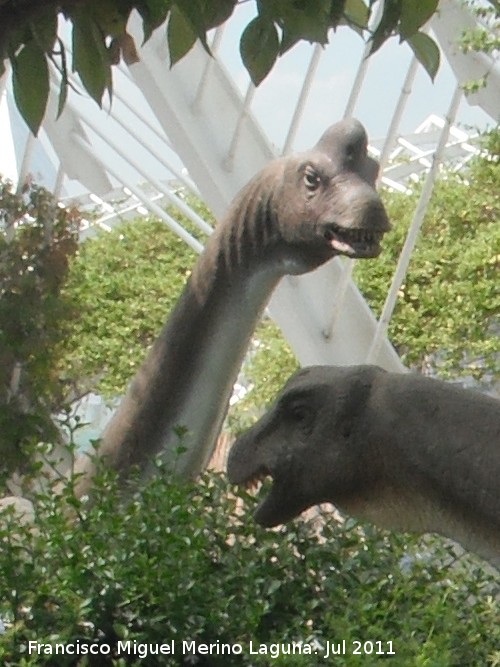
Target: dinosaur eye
312,179
298,412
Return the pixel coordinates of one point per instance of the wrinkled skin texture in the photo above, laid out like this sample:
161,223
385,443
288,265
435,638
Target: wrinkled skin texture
296,214
403,451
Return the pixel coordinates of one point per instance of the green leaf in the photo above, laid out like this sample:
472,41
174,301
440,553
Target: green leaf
154,13
356,15
215,13
274,585
308,21
414,15
259,48
44,30
90,56
30,82
63,96
110,16
63,90
193,11
427,52
387,24
336,12
181,35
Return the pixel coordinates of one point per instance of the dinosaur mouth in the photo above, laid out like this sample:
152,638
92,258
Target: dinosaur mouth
270,507
254,483
354,242
277,501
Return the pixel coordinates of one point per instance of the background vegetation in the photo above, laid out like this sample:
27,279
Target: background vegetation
447,319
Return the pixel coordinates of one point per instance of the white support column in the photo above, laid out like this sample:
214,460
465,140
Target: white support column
398,113
161,139
237,133
205,77
363,65
26,161
449,24
160,187
301,102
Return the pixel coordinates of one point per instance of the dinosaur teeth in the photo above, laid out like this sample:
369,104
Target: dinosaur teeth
254,486
359,242
359,235
254,483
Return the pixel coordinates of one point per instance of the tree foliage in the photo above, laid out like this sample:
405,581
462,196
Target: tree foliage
30,37
447,318
37,239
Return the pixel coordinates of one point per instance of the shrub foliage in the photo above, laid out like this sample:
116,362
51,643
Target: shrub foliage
185,562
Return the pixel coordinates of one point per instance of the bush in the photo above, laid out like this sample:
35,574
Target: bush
183,562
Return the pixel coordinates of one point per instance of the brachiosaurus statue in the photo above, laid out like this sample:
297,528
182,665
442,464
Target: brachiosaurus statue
404,451
296,214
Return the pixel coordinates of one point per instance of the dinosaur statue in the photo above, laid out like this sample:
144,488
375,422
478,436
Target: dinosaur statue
296,214
403,451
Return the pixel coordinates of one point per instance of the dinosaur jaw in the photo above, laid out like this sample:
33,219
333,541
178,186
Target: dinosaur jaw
356,243
278,505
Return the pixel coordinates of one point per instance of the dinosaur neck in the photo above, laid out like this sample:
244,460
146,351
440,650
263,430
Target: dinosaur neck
404,509
186,381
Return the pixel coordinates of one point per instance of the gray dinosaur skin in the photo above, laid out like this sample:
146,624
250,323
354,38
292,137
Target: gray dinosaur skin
403,451
296,214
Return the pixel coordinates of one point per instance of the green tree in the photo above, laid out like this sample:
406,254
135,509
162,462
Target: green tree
447,318
37,239
30,38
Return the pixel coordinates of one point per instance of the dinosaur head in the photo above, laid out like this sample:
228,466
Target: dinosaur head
301,210
307,444
327,204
